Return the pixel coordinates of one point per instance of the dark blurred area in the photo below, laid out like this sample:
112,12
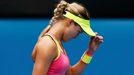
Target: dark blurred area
44,8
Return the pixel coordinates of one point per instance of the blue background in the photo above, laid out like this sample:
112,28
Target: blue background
114,57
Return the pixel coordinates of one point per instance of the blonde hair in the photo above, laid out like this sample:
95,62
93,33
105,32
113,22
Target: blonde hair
75,8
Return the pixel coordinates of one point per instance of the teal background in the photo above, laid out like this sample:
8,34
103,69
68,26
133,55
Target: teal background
113,57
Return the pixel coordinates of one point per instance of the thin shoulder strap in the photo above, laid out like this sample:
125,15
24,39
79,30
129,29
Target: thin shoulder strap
51,37
55,41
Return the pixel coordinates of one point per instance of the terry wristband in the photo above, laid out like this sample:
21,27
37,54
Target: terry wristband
86,57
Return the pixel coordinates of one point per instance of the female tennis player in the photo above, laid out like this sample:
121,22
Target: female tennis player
49,56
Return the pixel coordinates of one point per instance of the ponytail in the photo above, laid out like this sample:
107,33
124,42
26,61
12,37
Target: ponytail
57,14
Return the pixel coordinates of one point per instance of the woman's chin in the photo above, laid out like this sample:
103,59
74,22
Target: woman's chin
66,40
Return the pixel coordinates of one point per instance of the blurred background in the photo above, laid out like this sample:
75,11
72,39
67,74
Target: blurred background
21,22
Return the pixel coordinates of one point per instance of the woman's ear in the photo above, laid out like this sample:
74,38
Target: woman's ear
69,22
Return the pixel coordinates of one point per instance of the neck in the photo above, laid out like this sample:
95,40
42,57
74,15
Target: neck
57,31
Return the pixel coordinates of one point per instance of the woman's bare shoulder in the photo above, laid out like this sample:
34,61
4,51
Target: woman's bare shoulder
45,46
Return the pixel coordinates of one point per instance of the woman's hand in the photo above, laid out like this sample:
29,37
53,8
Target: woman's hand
94,43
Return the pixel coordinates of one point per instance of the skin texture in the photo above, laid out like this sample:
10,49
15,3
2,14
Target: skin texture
45,50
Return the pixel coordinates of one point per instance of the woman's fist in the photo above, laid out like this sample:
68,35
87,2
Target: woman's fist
95,41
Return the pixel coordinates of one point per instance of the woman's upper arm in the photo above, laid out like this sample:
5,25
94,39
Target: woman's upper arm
46,52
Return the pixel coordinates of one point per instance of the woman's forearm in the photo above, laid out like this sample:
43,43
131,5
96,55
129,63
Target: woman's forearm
78,68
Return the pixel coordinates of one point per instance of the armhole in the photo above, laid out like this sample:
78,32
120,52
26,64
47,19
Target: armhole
59,52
